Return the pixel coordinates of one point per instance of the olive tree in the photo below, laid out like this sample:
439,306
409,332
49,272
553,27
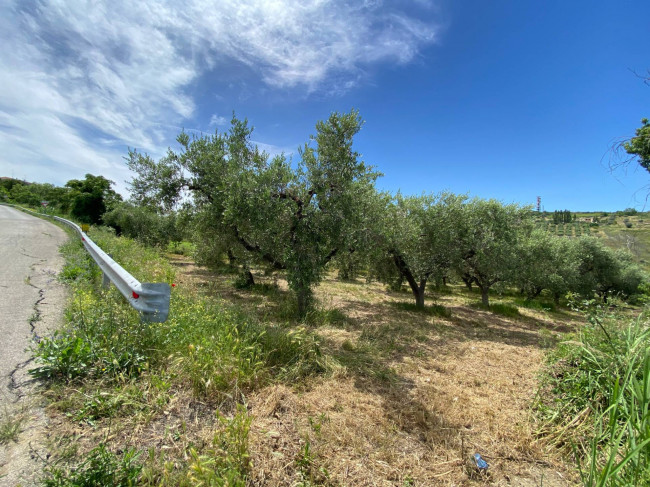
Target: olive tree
143,224
546,262
420,235
488,238
293,216
602,270
637,148
639,145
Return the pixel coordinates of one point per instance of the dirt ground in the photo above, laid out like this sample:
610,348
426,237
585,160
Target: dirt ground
413,396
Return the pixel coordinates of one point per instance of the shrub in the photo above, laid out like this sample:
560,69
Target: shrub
142,224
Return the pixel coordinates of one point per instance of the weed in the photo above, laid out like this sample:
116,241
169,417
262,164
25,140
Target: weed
222,363
265,289
317,423
102,337
181,248
10,426
227,462
78,264
326,317
243,280
117,399
408,482
363,359
294,354
311,474
536,304
100,468
547,339
619,453
220,352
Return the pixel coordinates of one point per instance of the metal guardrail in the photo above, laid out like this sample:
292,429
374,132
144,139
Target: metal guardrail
151,299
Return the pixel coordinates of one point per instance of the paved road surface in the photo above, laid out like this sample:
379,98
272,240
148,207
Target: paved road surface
31,301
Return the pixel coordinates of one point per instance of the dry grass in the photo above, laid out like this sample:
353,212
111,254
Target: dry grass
413,395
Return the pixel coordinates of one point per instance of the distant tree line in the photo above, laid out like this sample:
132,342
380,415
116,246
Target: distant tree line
85,199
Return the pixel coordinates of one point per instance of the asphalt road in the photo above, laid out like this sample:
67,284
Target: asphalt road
31,302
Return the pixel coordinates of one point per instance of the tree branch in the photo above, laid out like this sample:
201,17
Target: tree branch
256,249
404,270
330,256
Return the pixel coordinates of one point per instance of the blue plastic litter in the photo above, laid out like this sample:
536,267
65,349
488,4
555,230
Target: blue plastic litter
480,463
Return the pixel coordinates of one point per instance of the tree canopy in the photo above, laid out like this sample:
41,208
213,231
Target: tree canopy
91,197
639,145
489,236
420,235
294,217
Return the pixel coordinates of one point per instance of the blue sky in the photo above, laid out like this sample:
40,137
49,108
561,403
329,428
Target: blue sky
505,99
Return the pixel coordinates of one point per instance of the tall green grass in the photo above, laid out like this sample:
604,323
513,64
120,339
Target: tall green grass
619,452
600,406
213,351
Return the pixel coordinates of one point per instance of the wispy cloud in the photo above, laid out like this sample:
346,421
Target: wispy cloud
218,120
81,80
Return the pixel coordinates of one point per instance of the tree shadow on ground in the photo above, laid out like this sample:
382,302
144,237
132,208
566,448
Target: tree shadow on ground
375,336
369,366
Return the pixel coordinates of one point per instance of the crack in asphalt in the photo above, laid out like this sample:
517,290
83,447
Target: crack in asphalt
14,386
24,252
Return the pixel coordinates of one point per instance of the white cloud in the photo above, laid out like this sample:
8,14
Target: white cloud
274,150
83,79
218,121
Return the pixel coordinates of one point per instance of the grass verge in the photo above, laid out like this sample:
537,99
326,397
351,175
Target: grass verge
106,369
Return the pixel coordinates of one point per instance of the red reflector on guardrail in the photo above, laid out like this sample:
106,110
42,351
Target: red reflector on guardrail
135,295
